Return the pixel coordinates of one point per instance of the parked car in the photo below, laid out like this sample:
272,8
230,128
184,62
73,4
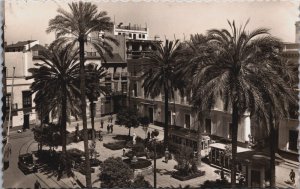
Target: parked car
26,164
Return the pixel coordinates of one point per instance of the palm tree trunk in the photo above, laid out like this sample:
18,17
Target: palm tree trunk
166,133
272,153
84,118
63,122
235,122
92,104
199,140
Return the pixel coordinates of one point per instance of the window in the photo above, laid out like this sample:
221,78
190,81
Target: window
187,121
108,85
208,126
143,36
293,138
135,89
134,36
124,87
140,35
119,33
130,34
169,117
27,99
8,99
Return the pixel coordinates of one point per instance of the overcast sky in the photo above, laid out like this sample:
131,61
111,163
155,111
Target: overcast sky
29,20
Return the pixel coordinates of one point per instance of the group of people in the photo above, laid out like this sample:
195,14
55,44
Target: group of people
110,126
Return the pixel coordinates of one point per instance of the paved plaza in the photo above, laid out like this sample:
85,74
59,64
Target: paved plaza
164,170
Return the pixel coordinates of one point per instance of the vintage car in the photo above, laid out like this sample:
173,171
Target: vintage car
26,164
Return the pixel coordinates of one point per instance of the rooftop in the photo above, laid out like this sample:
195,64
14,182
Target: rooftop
129,27
20,44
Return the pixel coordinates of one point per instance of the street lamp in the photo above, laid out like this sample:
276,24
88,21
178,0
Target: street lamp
154,168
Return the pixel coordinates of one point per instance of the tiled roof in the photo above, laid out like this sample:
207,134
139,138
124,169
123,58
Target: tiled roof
38,47
20,44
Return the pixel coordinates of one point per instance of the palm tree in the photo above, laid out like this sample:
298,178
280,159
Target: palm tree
77,26
55,86
159,76
278,106
240,73
194,52
94,89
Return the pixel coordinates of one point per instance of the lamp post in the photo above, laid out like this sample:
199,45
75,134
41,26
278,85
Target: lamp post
154,163
154,139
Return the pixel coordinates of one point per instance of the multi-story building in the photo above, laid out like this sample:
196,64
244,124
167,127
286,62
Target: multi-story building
288,131
183,122
20,56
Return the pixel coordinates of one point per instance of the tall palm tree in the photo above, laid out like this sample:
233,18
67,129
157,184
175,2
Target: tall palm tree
278,106
94,89
78,25
159,76
194,52
240,74
55,86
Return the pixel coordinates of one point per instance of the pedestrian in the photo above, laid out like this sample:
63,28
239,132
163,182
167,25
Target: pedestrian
108,128
37,185
123,152
111,118
166,155
292,176
111,128
102,123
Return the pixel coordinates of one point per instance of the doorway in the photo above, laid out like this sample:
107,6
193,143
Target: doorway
150,112
26,121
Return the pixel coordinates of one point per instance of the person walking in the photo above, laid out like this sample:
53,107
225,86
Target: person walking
111,118
102,123
108,128
37,185
111,128
292,176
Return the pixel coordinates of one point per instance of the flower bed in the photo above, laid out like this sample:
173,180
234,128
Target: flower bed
177,175
115,145
122,137
140,164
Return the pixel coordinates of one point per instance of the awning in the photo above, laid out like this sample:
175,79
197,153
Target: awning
222,146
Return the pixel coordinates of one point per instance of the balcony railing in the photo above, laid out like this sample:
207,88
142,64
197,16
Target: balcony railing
131,28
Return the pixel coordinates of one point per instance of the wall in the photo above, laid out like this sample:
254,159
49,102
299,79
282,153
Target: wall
20,84
284,127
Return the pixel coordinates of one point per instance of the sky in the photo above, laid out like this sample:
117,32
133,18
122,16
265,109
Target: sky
29,19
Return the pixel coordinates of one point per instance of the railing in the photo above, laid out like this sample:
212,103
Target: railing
131,28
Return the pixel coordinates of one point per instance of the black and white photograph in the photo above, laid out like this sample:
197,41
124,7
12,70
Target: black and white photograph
157,94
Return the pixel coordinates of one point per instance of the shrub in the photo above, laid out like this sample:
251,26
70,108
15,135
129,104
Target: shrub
115,145
140,164
140,182
177,175
115,173
123,137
